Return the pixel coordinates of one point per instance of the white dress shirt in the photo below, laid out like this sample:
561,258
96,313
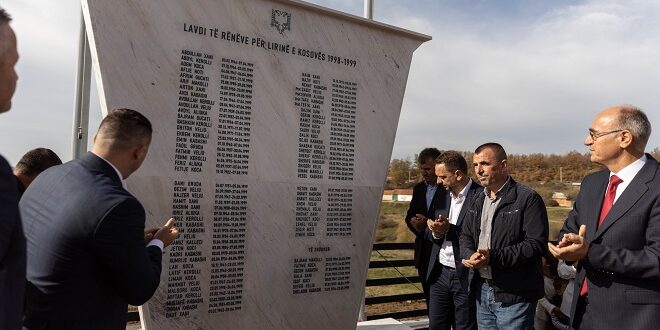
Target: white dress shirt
627,174
446,255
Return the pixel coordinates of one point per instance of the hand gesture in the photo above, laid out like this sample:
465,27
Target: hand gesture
572,247
418,222
149,234
167,233
478,259
439,226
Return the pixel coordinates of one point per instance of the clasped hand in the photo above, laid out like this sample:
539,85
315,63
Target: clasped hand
572,247
439,226
478,259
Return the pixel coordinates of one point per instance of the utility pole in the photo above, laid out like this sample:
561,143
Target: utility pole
83,83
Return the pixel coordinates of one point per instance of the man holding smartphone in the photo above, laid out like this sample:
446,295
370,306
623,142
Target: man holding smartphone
451,304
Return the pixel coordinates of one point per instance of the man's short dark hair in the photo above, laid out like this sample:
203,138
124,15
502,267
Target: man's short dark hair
4,44
428,153
453,160
36,161
4,16
126,128
497,148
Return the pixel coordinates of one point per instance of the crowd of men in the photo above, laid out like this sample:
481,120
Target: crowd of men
75,252
479,243
482,250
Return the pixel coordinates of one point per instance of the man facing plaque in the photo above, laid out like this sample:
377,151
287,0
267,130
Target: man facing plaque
613,232
425,200
504,237
12,241
450,297
88,252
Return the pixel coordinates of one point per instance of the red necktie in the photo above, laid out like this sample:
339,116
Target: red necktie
608,201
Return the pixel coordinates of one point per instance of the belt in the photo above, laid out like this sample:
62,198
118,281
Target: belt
449,268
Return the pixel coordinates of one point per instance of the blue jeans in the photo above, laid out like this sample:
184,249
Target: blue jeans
497,315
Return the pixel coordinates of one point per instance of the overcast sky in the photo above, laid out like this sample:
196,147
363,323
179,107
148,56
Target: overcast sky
530,74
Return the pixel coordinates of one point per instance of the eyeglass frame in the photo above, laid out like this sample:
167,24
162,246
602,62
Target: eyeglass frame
594,134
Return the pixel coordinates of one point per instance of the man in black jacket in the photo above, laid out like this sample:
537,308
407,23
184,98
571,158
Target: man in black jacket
503,238
426,199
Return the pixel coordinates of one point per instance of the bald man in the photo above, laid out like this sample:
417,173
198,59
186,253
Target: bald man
613,232
88,252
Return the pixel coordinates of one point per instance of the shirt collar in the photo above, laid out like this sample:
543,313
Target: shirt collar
463,192
430,186
628,173
499,191
121,177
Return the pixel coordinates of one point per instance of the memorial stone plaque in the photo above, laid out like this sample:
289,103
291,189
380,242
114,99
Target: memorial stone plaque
273,129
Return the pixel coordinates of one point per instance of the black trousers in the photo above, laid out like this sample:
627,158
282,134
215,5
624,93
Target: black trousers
449,304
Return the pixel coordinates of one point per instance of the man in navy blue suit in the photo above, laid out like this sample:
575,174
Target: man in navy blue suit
451,302
425,200
88,253
613,231
12,241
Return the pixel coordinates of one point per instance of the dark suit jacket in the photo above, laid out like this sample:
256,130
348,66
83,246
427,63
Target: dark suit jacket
86,253
12,252
623,262
418,206
453,236
519,239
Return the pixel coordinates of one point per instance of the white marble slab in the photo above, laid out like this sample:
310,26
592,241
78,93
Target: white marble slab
273,129
382,324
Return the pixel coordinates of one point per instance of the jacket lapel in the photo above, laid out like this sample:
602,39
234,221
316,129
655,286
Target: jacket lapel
474,189
635,190
591,219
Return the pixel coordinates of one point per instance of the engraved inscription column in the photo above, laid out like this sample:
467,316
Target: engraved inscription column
234,117
187,256
193,112
342,130
339,213
310,97
228,249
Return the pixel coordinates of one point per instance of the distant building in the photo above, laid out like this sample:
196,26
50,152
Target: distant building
561,199
398,195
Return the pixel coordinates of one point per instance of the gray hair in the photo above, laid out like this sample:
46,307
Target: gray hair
635,120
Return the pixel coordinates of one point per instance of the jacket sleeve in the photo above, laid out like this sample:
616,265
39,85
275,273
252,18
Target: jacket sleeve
119,244
412,211
468,243
534,243
9,216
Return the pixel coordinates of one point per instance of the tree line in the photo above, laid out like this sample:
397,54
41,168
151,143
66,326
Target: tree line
532,169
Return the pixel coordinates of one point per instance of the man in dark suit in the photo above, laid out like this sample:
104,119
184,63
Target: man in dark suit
426,199
504,236
450,299
12,241
88,253
613,231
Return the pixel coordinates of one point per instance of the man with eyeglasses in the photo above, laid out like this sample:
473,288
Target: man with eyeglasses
613,232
